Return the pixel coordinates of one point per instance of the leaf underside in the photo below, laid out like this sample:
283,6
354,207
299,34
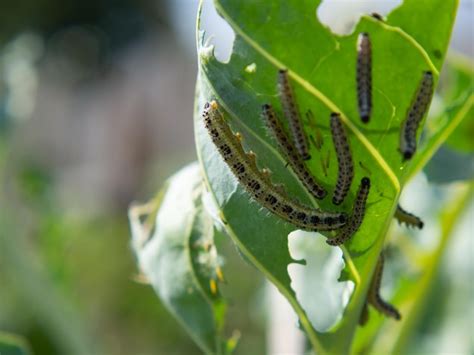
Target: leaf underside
177,255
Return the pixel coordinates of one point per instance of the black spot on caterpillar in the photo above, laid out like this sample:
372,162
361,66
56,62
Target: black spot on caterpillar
415,115
344,159
276,129
292,114
374,297
257,183
364,76
408,218
358,212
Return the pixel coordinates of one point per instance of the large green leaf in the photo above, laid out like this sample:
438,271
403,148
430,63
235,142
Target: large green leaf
287,34
177,255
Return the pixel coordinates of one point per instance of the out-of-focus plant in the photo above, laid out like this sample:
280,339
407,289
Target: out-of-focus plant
176,235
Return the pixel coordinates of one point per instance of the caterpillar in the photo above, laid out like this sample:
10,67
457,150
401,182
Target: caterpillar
275,127
258,184
415,115
374,297
408,218
344,159
358,212
292,114
364,76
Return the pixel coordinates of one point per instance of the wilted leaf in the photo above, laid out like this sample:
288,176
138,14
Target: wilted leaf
176,253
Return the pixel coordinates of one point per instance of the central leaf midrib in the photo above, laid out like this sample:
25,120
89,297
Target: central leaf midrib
317,94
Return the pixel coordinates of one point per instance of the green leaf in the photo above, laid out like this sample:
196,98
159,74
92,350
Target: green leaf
287,34
176,253
11,344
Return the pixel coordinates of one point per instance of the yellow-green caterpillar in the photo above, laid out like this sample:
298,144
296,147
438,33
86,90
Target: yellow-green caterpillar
358,212
415,114
292,114
275,127
257,183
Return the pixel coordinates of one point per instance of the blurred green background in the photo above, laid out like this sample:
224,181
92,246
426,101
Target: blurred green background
96,101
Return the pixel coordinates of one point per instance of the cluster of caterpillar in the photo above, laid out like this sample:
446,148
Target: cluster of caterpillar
296,151
295,160
374,298
258,184
420,102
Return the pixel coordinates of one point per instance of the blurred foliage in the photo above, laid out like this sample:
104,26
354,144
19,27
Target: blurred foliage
13,345
122,20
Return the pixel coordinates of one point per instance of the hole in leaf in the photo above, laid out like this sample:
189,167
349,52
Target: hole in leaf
341,16
316,286
218,32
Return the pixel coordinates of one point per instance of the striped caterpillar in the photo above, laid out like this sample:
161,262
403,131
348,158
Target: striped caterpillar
364,76
275,127
257,183
408,218
358,212
291,112
374,297
344,159
415,115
